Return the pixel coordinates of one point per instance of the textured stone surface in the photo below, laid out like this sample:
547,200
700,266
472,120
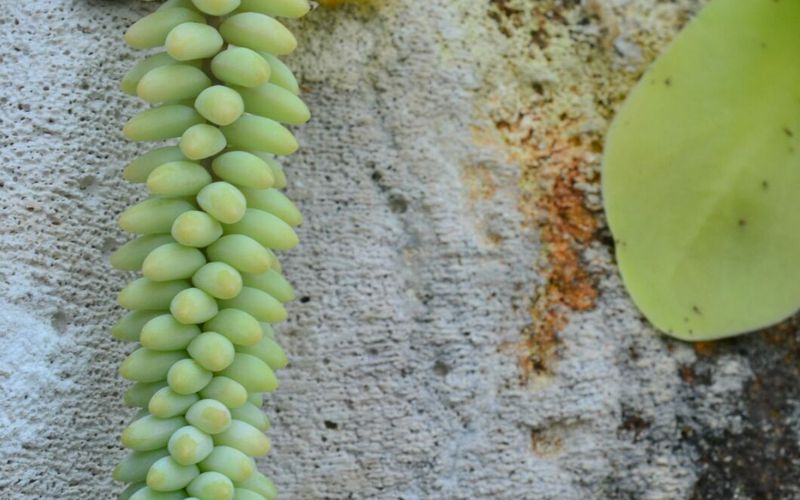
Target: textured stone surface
462,331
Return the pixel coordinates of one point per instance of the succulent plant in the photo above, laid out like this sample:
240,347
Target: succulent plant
702,170
205,242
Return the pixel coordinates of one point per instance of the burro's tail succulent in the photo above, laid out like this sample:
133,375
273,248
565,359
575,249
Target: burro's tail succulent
204,242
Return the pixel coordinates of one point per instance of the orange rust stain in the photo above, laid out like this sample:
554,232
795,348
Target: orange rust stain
687,374
704,348
553,164
555,135
545,443
479,182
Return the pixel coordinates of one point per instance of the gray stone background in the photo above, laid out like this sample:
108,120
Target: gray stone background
462,331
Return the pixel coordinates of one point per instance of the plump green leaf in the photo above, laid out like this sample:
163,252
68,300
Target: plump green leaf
701,177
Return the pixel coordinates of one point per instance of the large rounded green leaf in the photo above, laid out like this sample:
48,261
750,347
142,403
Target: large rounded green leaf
701,176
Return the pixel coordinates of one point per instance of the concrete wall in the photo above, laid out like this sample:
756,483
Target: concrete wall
462,331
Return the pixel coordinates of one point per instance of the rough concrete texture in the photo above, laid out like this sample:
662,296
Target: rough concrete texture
462,331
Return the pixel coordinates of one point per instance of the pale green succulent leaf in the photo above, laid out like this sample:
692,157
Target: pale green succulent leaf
701,177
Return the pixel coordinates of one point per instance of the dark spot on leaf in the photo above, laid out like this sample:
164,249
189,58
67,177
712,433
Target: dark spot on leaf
696,310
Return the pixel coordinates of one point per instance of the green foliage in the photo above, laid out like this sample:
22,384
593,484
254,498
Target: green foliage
215,211
702,173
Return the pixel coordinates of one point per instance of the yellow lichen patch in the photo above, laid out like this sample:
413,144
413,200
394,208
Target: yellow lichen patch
339,3
552,82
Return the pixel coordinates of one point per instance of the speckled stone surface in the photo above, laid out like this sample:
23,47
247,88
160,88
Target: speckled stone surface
461,330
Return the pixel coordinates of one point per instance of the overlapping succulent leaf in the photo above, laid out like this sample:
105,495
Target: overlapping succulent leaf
206,236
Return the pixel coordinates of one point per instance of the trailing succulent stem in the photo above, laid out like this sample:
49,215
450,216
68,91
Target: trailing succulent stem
205,242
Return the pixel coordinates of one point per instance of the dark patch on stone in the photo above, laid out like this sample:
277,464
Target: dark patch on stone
633,424
763,460
398,203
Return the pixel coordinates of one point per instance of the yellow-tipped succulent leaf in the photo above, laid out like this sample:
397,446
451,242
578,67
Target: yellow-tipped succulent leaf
211,485
196,228
139,169
243,169
267,229
216,7
146,365
150,433
132,78
245,438
164,122
144,294
168,475
131,255
241,252
273,101
268,351
220,105
241,66
188,377
260,134
139,394
189,445
151,30
258,303
154,215
225,390
147,493
166,403
129,326
238,326
252,373
178,178
165,333
172,82
245,494
258,32
134,466
261,484
271,282
209,415
229,461
253,415
223,201
202,141
277,170
212,351
172,261
190,40
280,74
219,280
